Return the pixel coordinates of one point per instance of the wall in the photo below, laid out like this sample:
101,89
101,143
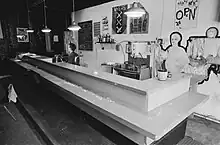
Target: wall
98,12
161,13
207,16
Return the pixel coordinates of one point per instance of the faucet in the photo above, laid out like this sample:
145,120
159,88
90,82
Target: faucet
119,45
57,58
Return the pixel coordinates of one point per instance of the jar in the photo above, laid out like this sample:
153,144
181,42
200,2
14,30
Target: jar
108,37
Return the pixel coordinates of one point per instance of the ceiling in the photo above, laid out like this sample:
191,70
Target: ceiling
89,3
8,7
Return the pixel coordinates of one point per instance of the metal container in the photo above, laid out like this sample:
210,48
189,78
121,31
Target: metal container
107,68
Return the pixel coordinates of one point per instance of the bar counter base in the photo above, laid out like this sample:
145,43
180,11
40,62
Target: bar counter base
173,137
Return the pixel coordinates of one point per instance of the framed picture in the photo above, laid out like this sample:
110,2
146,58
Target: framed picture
139,25
22,35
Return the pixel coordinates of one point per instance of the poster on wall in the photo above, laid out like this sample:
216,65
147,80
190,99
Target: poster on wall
85,36
55,38
22,35
119,20
139,25
186,14
96,26
105,24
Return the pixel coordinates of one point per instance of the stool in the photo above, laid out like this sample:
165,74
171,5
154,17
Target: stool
4,92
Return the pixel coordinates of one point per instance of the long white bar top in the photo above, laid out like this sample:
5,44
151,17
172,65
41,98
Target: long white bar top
154,124
154,92
152,84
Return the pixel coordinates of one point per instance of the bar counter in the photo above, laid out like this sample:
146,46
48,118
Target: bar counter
143,111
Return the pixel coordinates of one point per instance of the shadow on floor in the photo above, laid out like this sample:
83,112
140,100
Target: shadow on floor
16,132
66,123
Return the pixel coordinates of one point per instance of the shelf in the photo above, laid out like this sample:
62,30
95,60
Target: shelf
106,42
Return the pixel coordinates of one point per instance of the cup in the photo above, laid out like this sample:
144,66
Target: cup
162,75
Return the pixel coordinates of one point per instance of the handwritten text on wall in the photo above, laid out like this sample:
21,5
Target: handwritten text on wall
186,14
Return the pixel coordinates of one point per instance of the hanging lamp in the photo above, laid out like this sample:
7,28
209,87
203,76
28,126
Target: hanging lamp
19,36
136,10
74,27
29,30
45,29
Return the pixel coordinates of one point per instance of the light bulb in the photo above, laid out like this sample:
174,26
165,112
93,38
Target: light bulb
29,30
46,30
135,11
134,14
74,27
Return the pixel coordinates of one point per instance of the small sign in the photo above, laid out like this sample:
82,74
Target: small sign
55,38
186,14
105,24
22,35
96,29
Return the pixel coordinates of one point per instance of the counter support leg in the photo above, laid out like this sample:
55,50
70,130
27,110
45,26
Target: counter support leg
148,141
173,137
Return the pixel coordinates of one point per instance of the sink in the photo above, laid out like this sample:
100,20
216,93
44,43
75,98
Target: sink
132,71
129,67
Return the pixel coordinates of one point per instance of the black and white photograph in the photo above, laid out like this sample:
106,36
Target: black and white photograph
109,72
22,35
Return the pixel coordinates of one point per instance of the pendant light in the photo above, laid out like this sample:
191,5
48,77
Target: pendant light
45,29
136,10
74,27
19,36
29,30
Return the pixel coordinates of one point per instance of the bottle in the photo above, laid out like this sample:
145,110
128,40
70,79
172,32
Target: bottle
81,60
99,38
103,38
107,37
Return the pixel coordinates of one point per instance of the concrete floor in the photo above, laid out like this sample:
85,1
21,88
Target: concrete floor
16,132
65,123
69,126
204,131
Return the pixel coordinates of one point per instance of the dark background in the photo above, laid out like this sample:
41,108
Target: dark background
8,7
14,13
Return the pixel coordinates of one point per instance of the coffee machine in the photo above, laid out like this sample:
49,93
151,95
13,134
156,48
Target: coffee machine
138,65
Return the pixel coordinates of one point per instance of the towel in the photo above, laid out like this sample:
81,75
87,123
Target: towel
12,96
